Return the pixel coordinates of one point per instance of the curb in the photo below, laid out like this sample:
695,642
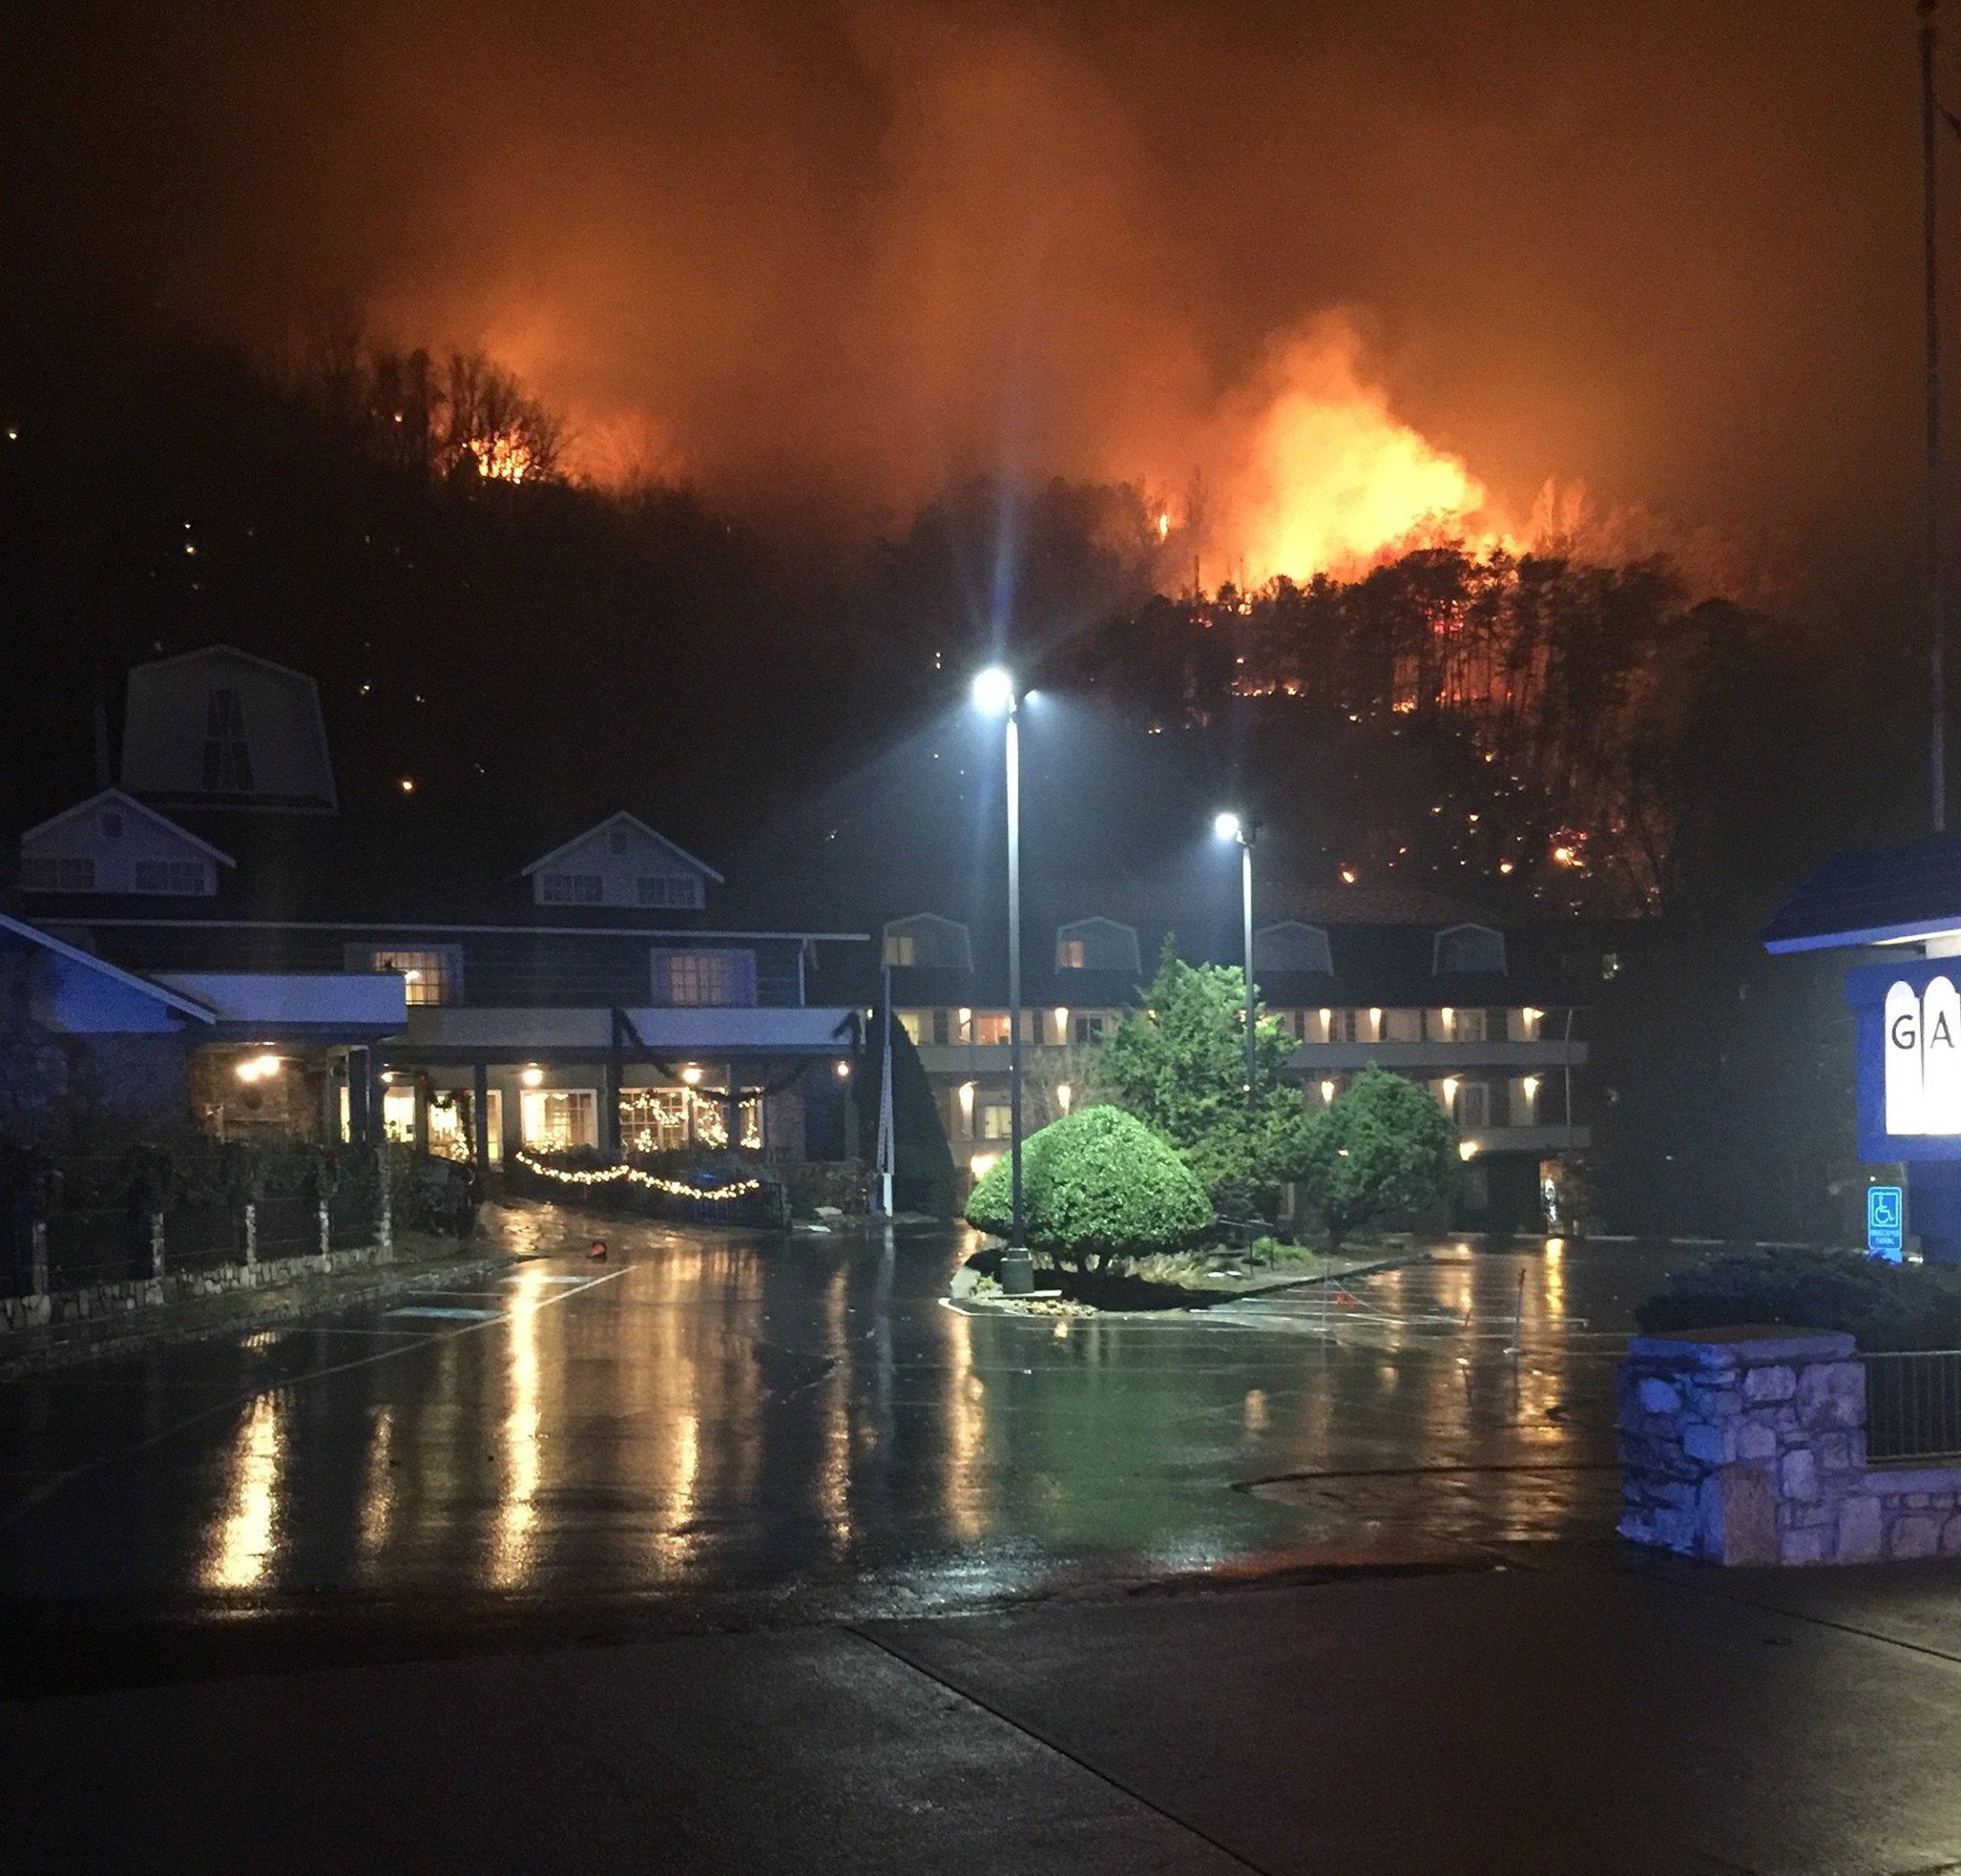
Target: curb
144,1329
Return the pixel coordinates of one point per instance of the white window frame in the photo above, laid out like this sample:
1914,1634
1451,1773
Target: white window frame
379,960
571,889
531,1107
176,874
44,872
739,976
670,891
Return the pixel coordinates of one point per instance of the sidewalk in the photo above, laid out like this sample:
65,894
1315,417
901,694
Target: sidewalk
1508,1721
419,1263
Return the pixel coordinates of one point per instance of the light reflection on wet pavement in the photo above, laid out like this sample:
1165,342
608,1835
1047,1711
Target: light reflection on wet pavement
712,1416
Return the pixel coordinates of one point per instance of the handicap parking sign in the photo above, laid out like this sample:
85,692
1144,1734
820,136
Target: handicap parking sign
1885,1221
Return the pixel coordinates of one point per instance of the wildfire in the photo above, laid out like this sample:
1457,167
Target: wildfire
1328,478
502,458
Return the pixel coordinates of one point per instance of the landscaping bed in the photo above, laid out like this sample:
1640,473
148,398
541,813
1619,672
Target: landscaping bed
1884,1307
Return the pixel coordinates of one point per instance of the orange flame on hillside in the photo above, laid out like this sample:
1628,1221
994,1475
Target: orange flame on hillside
502,458
1322,477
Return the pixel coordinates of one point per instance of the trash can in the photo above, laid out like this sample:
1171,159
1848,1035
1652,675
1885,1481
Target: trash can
1017,1273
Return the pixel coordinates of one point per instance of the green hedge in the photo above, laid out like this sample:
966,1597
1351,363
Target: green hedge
1884,1306
1095,1185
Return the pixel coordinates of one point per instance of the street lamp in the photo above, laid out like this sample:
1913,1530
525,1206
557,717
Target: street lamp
994,694
1230,827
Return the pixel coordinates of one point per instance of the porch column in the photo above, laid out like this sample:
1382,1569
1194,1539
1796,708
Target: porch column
608,1097
735,1120
479,1116
420,1085
360,1093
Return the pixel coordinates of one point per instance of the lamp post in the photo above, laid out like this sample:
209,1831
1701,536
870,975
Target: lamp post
994,693
1230,827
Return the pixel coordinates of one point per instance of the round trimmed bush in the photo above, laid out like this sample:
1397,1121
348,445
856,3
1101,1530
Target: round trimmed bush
1095,1185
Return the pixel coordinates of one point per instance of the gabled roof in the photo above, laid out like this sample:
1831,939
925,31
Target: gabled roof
47,942
230,650
128,804
1872,896
654,834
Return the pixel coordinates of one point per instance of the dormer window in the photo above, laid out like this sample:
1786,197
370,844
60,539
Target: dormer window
928,942
1469,948
1293,946
1096,945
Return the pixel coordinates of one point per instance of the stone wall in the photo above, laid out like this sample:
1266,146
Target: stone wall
91,1300
1748,1445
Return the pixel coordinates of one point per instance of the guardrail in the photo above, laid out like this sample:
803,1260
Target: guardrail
1913,1404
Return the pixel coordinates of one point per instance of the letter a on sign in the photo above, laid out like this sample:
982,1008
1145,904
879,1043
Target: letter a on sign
1906,1107
1940,1059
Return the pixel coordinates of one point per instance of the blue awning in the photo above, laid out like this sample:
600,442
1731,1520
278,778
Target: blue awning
1872,896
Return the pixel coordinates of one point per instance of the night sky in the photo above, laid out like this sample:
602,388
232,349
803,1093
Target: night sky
822,260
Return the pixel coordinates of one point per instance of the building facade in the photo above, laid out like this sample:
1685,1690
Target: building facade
1489,1021
586,995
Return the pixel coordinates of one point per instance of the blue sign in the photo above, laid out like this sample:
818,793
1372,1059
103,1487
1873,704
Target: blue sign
1886,1223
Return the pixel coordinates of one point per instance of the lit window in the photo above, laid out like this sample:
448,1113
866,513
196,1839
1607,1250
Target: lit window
989,1027
62,873
434,975
928,941
1096,945
914,1023
1469,1026
186,879
227,758
653,1121
995,1119
559,1118
672,889
708,979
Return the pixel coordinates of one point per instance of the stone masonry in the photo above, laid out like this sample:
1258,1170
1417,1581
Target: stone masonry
1748,1445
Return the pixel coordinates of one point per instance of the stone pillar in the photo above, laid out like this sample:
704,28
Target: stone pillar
251,1233
1746,1445
384,1221
419,1086
156,1244
326,1232
38,1239
360,1090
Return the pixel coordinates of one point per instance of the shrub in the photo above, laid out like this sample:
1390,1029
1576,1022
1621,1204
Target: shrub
1385,1146
1883,1305
1098,1185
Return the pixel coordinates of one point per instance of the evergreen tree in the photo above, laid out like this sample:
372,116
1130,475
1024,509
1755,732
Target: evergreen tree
1179,1065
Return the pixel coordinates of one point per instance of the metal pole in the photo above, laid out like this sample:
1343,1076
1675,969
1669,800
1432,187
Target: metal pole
1936,619
886,1144
1014,970
1246,910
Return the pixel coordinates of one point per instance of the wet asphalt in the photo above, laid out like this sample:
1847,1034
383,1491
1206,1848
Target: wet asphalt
745,1427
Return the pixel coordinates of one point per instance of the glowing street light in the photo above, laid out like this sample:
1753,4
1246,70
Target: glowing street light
1228,826
994,693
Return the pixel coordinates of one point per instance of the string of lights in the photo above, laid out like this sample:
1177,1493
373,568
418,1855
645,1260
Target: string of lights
613,1174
